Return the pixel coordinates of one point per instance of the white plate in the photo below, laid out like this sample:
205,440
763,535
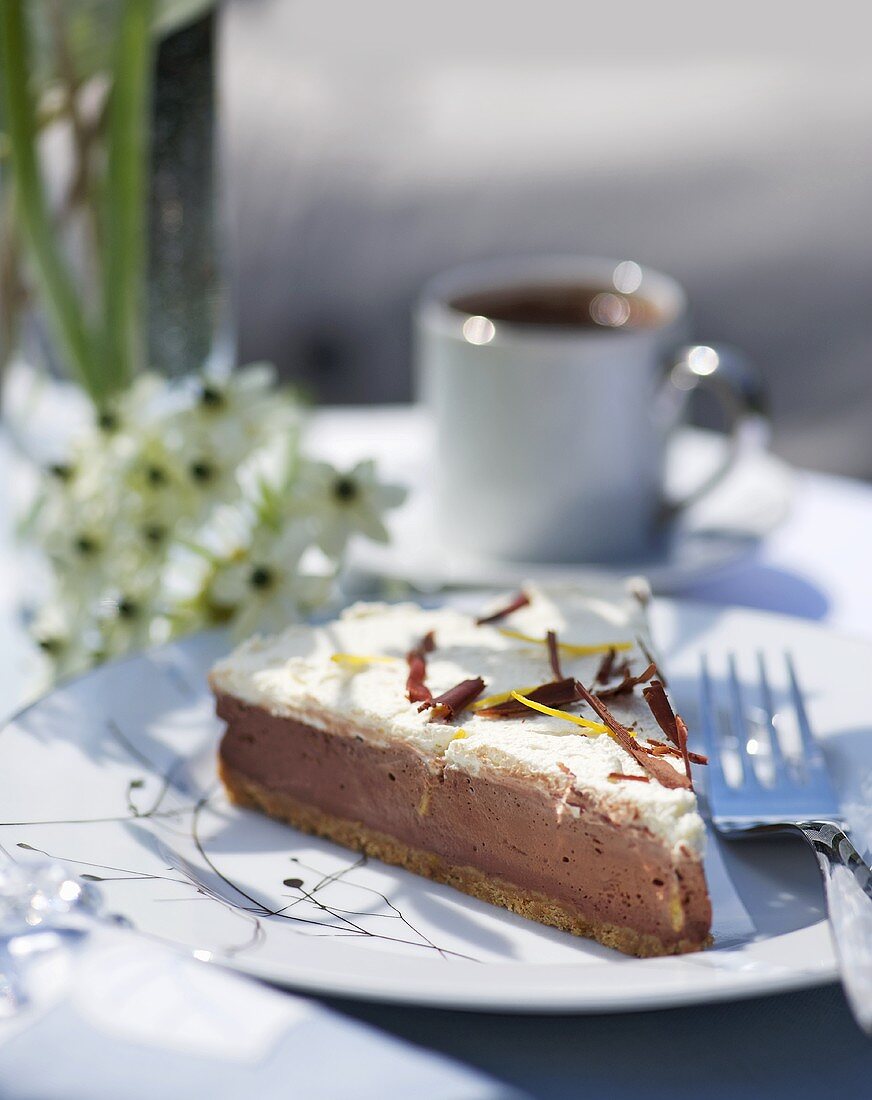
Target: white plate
717,532
115,773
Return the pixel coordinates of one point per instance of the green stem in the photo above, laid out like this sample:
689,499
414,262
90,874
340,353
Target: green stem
62,304
124,261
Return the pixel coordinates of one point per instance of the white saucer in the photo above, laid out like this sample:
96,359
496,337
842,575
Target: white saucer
115,773
717,532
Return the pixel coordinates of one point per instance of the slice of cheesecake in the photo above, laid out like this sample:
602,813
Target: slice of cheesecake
527,756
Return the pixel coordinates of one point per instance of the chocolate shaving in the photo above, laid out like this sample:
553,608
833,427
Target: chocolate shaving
554,654
661,708
628,683
450,703
682,737
649,657
606,669
558,693
659,748
519,601
664,773
416,690
671,723
623,775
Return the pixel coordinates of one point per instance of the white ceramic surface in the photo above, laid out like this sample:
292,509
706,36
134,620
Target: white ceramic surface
115,773
724,527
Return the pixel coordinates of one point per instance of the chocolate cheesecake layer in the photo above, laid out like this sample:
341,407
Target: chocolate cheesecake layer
558,860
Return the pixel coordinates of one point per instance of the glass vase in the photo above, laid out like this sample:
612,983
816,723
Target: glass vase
111,257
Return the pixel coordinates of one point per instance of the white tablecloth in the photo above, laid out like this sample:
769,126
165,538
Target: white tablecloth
800,1045
814,566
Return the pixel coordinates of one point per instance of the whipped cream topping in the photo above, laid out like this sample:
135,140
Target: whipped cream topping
293,674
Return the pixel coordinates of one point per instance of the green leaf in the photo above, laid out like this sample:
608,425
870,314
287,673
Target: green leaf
125,214
59,297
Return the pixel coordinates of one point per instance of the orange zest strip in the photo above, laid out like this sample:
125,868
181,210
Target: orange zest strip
569,648
596,727
355,660
502,697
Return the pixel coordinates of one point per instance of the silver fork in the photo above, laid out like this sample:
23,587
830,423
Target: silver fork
800,800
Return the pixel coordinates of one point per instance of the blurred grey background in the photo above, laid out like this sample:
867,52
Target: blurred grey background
371,145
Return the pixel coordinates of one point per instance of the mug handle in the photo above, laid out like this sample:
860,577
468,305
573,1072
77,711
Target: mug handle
739,389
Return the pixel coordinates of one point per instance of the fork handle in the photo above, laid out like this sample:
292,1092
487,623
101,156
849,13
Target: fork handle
848,883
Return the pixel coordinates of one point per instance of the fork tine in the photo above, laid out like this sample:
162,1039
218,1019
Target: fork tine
716,782
740,726
779,765
811,751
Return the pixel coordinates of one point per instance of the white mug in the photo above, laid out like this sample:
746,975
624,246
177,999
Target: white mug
551,431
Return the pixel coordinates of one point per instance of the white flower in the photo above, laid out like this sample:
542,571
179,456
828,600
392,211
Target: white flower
230,417
210,473
132,617
187,503
142,403
58,633
222,427
76,536
263,587
344,504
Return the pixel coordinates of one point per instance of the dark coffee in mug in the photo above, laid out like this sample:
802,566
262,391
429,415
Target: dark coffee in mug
562,305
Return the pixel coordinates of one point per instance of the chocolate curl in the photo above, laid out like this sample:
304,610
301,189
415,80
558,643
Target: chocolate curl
671,723
664,773
682,737
521,600
659,748
557,694
553,654
623,775
628,683
648,657
416,690
661,708
450,703
606,669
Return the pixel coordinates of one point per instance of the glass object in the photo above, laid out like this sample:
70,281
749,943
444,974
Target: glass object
110,232
188,315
